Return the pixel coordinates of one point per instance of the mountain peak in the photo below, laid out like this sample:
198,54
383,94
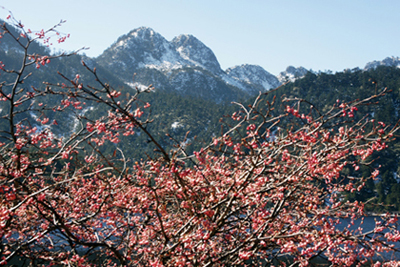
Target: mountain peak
144,35
292,73
185,65
143,32
193,50
142,48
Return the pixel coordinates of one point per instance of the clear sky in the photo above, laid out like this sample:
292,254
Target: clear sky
316,34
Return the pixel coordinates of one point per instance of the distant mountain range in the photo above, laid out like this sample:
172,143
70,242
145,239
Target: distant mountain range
389,62
187,66
183,65
192,92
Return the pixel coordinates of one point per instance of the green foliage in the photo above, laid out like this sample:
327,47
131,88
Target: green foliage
323,90
191,120
176,118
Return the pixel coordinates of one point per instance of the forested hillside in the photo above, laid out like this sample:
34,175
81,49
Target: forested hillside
191,122
98,170
198,120
323,90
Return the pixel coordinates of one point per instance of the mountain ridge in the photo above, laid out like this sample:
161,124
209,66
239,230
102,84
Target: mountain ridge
196,119
179,64
388,61
184,64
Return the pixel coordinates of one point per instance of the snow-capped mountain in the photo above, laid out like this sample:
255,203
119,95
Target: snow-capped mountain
187,66
389,61
198,54
184,65
142,48
253,75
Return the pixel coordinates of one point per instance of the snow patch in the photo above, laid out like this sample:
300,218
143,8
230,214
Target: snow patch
121,43
176,125
233,81
168,61
291,74
141,87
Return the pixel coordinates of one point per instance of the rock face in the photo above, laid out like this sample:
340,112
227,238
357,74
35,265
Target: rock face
184,65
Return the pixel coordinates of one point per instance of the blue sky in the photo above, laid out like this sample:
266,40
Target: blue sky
316,34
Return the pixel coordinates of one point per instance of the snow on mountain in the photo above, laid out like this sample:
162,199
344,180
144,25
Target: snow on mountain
191,49
184,65
389,61
253,75
291,74
146,49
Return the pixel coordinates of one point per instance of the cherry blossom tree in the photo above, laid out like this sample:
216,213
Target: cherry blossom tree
261,193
